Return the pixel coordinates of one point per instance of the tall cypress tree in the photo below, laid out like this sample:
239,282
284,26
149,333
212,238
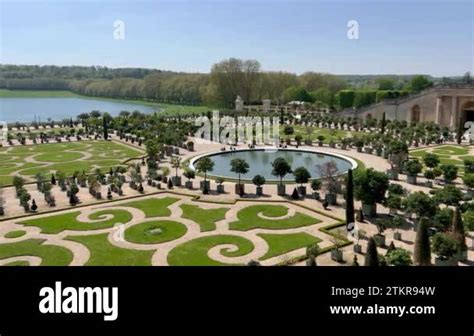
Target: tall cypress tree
422,254
349,198
382,126
458,229
371,256
105,128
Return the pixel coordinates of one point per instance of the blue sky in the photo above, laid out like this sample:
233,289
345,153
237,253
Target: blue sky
396,37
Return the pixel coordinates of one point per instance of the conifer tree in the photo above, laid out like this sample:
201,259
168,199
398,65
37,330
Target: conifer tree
422,253
349,198
371,257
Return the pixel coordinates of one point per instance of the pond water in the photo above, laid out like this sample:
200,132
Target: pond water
260,162
27,109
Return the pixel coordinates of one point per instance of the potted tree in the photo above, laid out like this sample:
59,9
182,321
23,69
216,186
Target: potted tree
446,247
379,237
312,252
394,203
397,222
412,167
398,257
321,139
190,146
288,131
259,181
357,247
239,167
370,187
336,253
298,139
205,165
450,172
190,175
316,186
165,171
302,176
344,143
429,176
176,163
359,143
220,185
398,153
280,169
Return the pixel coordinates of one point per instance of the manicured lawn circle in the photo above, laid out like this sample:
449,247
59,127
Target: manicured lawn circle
155,232
248,218
68,221
206,218
153,207
51,255
195,252
15,234
103,253
279,244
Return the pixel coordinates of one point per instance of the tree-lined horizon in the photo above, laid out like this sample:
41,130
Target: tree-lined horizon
220,87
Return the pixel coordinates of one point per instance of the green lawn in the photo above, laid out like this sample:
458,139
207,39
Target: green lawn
194,252
249,219
105,254
279,244
155,232
15,234
153,207
66,157
18,263
4,93
206,218
51,255
68,221
451,150
448,154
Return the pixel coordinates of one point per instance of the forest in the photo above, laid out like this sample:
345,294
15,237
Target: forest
220,87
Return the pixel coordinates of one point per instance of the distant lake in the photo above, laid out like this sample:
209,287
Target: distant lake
26,109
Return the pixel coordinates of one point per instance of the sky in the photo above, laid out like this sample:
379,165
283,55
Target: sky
394,37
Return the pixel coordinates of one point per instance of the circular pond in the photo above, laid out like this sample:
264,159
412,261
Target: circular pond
260,162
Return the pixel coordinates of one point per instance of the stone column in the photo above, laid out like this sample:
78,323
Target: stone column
438,108
454,107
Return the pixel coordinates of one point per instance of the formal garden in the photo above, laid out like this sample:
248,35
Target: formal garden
139,190
170,229
66,158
